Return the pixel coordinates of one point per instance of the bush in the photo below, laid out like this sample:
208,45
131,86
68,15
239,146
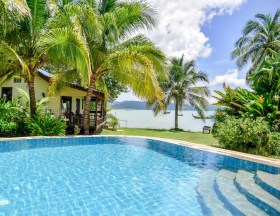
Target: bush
274,143
8,129
113,121
247,135
12,118
47,125
77,130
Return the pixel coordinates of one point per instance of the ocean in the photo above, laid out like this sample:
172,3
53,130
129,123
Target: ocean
147,119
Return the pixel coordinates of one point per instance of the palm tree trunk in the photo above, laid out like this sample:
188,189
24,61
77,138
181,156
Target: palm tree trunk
87,104
176,114
31,89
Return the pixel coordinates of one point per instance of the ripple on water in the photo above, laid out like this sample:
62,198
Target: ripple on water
97,179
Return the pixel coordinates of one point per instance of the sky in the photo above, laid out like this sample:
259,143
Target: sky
205,30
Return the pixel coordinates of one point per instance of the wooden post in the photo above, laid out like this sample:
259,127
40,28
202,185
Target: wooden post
103,111
96,113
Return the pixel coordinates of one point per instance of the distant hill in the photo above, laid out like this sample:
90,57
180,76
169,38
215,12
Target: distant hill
139,105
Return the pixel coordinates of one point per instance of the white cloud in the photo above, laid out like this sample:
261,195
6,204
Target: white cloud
230,78
180,22
127,96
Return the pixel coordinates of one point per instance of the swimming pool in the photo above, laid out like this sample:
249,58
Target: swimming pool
130,176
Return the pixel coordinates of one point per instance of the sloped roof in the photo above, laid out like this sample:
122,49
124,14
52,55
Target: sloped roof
47,76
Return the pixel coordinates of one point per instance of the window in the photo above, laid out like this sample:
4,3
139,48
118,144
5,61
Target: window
17,79
7,92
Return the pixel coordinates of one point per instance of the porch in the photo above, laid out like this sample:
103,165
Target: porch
97,114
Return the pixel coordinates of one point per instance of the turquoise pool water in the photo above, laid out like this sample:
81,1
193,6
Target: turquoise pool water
122,176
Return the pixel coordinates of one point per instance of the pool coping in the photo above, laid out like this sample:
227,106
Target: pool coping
236,154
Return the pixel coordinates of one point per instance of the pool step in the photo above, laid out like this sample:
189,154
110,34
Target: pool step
208,197
245,182
236,201
269,182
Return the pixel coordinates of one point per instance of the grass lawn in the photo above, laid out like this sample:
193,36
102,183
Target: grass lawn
194,137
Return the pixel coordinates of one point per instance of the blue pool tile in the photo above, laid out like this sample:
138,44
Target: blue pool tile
107,176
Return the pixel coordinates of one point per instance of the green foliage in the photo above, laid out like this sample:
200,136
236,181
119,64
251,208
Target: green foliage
47,125
77,130
32,40
114,87
12,118
247,135
113,121
181,88
266,78
260,36
249,119
25,99
8,129
273,143
242,102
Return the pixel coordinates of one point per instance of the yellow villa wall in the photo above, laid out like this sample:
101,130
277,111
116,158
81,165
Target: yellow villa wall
41,87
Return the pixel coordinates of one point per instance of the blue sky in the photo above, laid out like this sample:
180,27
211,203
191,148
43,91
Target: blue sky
206,30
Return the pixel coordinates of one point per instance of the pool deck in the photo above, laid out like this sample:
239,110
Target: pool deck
240,155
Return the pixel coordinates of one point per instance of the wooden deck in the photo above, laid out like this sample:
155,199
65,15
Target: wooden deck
95,127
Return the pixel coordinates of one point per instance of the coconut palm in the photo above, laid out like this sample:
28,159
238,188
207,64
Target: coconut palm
36,42
133,61
260,36
267,78
181,87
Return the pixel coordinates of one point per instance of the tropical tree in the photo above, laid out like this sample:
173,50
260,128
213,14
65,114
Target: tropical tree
260,36
33,41
133,61
240,102
181,87
267,78
114,87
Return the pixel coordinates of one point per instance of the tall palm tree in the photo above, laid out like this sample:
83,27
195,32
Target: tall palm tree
181,87
260,36
134,61
37,42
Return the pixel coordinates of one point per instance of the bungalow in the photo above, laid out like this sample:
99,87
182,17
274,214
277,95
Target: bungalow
69,103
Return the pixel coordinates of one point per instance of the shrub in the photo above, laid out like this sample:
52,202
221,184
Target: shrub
113,121
47,125
274,143
247,135
12,118
77,130
8,129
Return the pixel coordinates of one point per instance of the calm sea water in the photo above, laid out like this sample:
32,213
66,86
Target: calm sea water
147,119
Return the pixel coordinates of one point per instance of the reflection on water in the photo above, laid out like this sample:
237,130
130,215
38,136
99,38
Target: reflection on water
146,119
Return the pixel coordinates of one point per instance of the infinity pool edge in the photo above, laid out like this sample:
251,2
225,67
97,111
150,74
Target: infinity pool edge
235,154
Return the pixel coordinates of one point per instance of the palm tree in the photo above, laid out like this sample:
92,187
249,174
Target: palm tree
260,36
133,61
181,87
36,42
267,78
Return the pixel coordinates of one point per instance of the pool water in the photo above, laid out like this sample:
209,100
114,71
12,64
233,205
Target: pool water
126,176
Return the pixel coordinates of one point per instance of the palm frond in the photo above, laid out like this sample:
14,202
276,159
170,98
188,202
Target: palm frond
8,54
38,14
11,13
64,43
